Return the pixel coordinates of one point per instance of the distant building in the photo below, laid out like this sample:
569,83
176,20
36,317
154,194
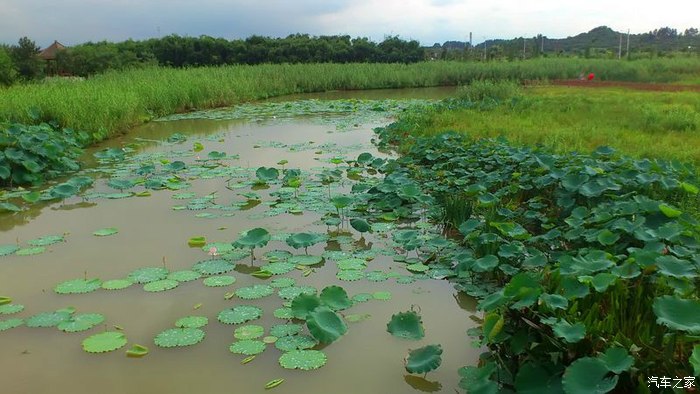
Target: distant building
48,54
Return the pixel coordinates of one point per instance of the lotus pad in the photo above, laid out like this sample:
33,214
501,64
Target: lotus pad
192,322
325,325
352,264
219,281
248,347
678,314
381,295
254,292
161,285
105,232
31,251
295,342
303,359
8,249
174,337
240,314
184,276
588,375
48,319
283,330
361,297
116,284
424,359
104,342
148,274
10,309
406,325
283,313
289,293
278,268
213,267
249,331
81,322
305,260
46,240
350,275
10,323
78,286
282,282
377,276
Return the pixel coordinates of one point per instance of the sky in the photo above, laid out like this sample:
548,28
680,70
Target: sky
428,21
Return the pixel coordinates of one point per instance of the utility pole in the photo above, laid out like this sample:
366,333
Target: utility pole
542,46
524,41
628,43
619,49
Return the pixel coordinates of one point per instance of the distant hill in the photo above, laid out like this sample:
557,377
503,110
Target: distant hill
599,41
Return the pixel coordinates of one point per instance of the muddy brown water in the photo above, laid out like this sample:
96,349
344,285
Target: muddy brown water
366,360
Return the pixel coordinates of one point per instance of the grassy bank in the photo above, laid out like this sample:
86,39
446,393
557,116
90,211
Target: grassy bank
637,123
116,101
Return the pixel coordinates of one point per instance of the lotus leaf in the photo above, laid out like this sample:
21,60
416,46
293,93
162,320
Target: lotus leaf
675,267
248,347
417,267
267,174
116,284
10,323
147,275
425,359
570,333
357,317
213,267
306,260
554,301
588,375
283,313
486,263
46,240
282,282
48,319
407,325
352,264
174,337
161,285
678,314
8,249
360,225
81,322
607,237
277,256
278,268
303,304
325,325
192,322
670,211
303,359
31,251
535,379
219,281
8,206
184,276
104,342
350,275
295,342
255,238
602,280
334,297
239,314
105,232
196,242
78,286
284,330
9,309
381,295
250,331
137,351
304,240
289,293
377,276
254,292
617,360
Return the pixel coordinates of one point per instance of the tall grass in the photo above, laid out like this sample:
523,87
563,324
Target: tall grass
116,101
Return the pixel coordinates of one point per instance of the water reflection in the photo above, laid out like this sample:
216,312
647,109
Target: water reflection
421,384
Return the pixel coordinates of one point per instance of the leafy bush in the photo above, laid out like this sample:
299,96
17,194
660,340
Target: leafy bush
499,91
31,154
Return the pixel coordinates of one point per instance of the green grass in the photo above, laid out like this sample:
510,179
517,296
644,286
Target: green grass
636,123
114,102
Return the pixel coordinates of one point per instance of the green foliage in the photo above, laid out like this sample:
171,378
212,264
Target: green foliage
424,360
104,342
483,90
8,74
406,325
25,56
305,360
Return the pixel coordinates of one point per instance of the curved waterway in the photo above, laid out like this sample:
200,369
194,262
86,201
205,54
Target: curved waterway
153,231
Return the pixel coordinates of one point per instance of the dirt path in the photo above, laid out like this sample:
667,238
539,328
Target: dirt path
660,87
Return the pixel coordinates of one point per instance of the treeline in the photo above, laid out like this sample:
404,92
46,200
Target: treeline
176,51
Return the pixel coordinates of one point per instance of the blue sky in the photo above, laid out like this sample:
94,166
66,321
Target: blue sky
428,21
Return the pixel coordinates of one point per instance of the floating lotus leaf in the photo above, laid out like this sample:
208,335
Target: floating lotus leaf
267,174
137,351
147,275
10,323
192,322
160,285
407,325
305,360
78,286
278,268
357,317
295,342
280,283
361,297
377,276
304,240
325,325
31,251
617,360
239,314
184,276
417,267
8,206
116,284
350,275
46,240
6,250
283,313
213,267
174,337
254,292
48,319
221,247
255,238
250,331
352,264
305,260
334,297
273,383
425,359
219,281
9,309
270,339
105,232
284,330
248,347
360,225
196,242
381,295
262,274
678,314
183,196
303,304
341,202
81,322
289,293
588,375
104,342
277,256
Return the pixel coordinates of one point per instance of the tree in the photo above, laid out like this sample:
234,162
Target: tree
26,58
8,74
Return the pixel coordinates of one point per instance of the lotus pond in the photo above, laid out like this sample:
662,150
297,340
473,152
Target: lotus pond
231,251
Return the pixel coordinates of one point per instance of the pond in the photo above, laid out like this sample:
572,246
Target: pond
219,196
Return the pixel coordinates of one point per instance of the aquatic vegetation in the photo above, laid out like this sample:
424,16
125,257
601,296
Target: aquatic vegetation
106,232
303,359
424,360
104,342
406,325
137,351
